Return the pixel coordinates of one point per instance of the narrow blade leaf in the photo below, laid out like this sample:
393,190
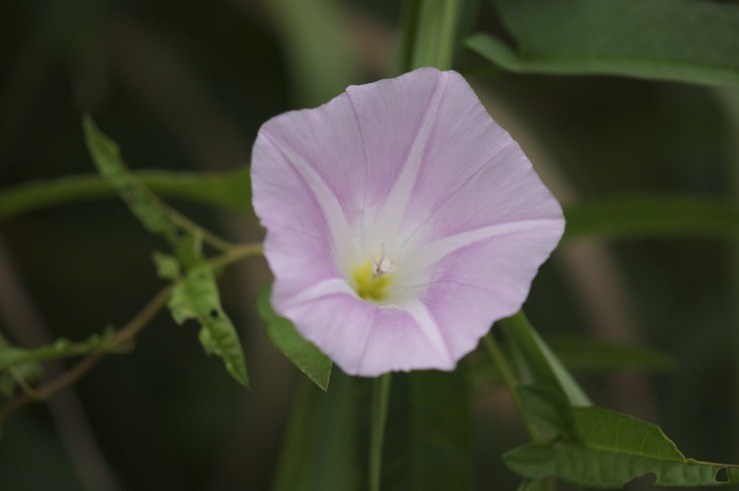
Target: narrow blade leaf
320,449
624,217
428,439
295,347
538,364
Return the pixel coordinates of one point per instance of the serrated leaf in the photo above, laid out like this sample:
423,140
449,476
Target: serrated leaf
428,436
196,297
680,40
150,210
12,357
606,449
292,344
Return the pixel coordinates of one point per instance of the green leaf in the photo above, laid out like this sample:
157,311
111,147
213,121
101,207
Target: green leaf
295,347
150,210
538,364
598,357
316,40
196,297
545,410
229,190
606,449
11,357
428,439
679,40
436,34
168,267
625,217
320,449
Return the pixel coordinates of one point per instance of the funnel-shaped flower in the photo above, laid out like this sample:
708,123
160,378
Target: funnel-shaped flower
402,221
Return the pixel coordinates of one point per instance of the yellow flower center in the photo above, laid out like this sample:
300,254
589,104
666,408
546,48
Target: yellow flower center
371,281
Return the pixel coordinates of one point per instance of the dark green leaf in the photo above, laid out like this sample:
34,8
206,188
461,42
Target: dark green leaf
545,410
681,40
537,363
316,40
196,297
428,440
636,216
295,347
596,357
436,33
607,450
320,450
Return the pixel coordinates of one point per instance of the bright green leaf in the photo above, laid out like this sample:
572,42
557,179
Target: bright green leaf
606,449
150,210
680,40
428,439
230,190
295,347
168,267
196,297
11,357
320,449
638,216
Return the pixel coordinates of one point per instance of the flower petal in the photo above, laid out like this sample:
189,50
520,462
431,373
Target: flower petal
413,167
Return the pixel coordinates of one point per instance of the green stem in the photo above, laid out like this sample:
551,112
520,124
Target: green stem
508,378
380,398
122,337
235,254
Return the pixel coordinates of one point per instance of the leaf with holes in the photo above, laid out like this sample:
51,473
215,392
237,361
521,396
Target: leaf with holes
196,297
605,449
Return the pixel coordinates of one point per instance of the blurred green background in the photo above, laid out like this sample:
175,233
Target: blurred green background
185,86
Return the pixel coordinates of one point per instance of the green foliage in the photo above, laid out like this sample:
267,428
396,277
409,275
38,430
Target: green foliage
194,295
295,347
639,216
583,444
320,449
317,47
537,363
598,357
230,190
681,40
22,365
12,357
435,34
428,442
605,449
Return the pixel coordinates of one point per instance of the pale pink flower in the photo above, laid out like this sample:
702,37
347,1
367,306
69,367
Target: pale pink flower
401,220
